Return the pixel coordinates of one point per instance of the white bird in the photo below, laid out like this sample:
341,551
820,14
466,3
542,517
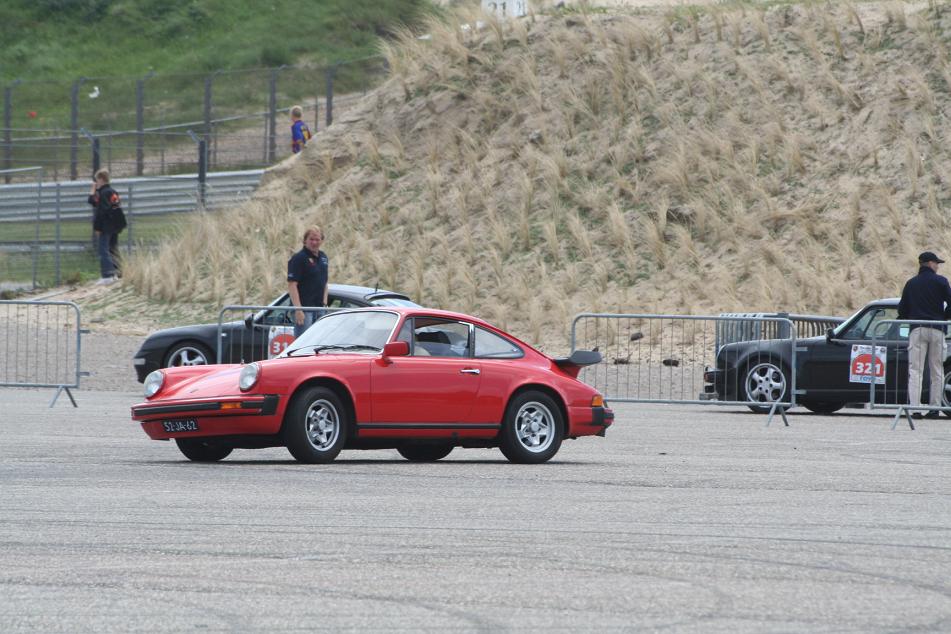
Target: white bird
94,93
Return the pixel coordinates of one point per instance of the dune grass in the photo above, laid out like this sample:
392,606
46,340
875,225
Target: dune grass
768,157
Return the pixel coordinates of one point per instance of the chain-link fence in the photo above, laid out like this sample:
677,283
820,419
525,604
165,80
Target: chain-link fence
46,235
148,125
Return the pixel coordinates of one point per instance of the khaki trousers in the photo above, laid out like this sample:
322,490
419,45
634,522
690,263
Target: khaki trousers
922,342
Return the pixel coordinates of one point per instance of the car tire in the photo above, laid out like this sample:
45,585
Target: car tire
946,397
532,429
764,382
186,353
316,426
425,453
202,449
822,407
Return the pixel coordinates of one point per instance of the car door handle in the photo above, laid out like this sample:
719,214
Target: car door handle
469,371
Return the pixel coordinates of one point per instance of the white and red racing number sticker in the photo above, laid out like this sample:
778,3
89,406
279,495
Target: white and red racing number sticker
278,340
863,367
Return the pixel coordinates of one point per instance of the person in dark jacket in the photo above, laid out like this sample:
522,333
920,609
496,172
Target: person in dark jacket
108,220
926,296
307,273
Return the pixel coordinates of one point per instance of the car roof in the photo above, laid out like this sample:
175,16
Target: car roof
365,293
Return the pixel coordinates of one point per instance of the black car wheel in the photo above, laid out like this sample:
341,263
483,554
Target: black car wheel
316,426
424,453
946,396
822,407
532,429
202,450
187,353
764,382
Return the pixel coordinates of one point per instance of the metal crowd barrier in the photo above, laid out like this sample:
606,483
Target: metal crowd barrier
42,345
886,359
678,359
261,334
753,326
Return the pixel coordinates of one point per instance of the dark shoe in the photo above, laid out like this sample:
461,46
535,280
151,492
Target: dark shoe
933,414
917,415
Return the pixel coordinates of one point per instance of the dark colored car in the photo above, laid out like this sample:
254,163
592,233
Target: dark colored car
247,340
829,375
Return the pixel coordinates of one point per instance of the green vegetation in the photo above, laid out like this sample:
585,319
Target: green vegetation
67,39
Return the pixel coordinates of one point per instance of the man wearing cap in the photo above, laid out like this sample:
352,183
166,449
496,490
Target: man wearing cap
926,296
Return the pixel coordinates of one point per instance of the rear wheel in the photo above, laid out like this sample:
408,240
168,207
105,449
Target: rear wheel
946,395
202,449
822,407
424,453
765,382
532,429
316,425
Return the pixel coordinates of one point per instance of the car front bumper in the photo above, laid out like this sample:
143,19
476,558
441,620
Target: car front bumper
228,416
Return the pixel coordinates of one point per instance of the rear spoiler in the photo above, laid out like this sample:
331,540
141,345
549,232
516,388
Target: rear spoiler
578,359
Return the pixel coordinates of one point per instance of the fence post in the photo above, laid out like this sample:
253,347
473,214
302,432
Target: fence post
330,94
7,122
36,242
128,235
139,126
74,128
207,107
94,141
202,166
272,115
58,233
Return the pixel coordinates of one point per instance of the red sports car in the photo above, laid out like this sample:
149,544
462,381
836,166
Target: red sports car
418,380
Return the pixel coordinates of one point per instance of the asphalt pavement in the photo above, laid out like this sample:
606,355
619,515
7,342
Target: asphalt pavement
683,519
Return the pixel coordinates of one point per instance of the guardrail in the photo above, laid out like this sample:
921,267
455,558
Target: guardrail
885,366
140,196
674,359
262,334
42,345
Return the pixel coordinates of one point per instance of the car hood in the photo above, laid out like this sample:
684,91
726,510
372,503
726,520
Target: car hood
222,380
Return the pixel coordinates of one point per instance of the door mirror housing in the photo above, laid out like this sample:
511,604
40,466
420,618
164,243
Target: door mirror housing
395,349
249,321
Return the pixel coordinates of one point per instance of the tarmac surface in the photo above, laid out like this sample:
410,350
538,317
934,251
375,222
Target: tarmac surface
684,518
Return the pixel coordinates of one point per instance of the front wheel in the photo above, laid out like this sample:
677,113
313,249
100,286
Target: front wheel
424,453
532,429
765,382
202,450
316,426
187,353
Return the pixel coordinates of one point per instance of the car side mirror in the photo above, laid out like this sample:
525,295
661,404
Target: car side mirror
395,349
249,320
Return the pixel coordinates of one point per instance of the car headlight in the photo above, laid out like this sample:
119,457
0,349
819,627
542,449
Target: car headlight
153,383
249,376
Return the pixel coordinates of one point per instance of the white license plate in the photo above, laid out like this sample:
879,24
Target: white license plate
189,424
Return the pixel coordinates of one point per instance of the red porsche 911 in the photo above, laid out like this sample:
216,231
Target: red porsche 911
416,380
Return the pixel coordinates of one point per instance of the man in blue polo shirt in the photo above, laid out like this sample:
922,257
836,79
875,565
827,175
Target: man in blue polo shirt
926,296
307,272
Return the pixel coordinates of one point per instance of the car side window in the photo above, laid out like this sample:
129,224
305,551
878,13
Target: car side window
489,345
338,302
867,325
277,317
440,338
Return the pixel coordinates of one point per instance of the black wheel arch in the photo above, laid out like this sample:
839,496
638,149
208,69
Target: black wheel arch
189,341
548,391
337,387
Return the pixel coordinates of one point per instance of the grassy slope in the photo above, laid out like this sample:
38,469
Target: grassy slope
714,160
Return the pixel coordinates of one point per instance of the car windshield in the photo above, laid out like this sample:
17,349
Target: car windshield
362,332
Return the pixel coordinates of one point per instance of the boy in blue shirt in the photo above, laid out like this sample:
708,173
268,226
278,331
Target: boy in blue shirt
300,133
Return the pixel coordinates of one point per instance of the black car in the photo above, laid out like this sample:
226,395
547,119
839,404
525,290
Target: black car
247,340
827,376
